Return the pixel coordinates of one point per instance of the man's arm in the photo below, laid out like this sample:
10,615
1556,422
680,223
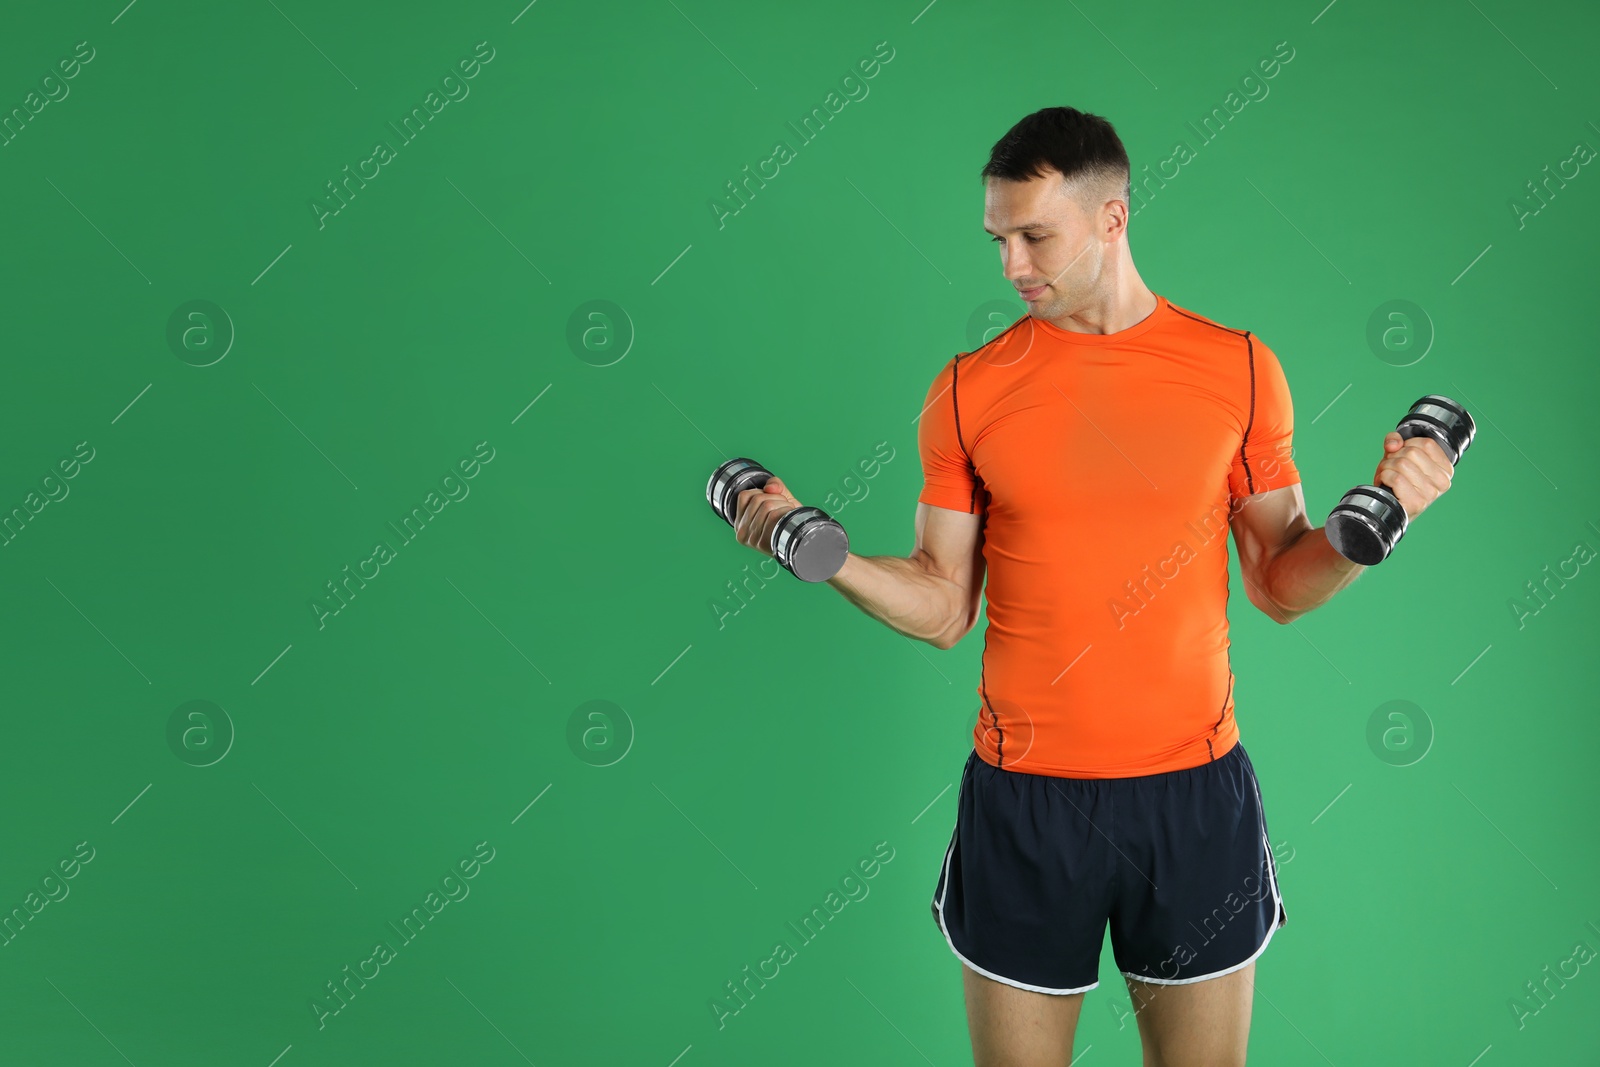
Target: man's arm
1290,568
933,595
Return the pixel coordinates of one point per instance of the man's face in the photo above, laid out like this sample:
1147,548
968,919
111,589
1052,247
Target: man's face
1049,248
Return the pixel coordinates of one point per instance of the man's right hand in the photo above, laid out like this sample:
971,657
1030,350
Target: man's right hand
759,511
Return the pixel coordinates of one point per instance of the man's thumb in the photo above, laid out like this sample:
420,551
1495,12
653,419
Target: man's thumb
775,485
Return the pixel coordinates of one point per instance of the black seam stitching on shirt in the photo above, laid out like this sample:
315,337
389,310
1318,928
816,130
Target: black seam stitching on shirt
1000,745
955,401
1223,711
1249,479
1249,476
996,338
1207,322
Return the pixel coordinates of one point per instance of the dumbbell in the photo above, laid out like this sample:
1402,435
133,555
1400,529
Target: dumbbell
807,542
1369,521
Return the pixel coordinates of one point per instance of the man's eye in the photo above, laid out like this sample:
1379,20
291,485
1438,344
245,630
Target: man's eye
1031,239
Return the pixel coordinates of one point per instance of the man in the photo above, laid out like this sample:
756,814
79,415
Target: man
1089,461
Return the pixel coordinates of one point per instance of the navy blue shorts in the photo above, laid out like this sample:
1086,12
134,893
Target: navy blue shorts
1178,863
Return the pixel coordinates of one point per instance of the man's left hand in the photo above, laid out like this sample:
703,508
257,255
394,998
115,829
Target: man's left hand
1415,470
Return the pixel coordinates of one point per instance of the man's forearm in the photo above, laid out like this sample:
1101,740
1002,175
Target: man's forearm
900,593
1307,574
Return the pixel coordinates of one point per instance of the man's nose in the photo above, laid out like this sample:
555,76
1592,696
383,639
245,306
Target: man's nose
1018,266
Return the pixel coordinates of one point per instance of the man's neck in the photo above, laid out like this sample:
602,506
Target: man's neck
1115,314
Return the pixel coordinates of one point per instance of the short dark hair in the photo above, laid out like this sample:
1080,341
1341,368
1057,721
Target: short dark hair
1085,148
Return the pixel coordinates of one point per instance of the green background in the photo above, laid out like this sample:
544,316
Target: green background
762,753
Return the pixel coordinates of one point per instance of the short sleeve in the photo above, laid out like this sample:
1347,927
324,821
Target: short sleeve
948,480
1265,458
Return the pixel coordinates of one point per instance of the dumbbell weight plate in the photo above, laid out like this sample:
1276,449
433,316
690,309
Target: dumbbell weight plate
810,544
1442,419
731,479
1360,525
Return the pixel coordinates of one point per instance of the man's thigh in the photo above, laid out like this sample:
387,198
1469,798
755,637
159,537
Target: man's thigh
1197,1024
1013,1027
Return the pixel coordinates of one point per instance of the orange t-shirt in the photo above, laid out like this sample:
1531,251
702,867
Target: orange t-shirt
1108,466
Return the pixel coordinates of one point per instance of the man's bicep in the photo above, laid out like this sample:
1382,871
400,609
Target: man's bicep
949,545
1264,525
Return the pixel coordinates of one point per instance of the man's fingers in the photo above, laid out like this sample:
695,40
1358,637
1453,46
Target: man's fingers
1422,468
1404,486
769,525
758,511
1421,463
747,500
1429,452
758,518
775,485
755,517
1391,480
1432,462
750,504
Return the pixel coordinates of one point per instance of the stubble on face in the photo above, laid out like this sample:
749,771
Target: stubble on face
1068,261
